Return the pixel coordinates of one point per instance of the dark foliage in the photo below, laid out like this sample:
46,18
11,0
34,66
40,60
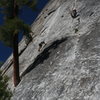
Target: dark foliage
5,93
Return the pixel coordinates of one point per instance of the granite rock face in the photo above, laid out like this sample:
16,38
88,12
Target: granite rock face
68,65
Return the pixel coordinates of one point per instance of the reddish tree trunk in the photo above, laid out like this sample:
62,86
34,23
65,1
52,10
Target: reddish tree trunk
16,77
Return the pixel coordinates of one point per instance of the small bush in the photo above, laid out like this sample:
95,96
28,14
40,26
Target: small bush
5,93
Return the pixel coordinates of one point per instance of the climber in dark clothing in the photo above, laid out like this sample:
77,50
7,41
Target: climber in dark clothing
74,13
41,45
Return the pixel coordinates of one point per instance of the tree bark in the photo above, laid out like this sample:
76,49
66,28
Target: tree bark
16,76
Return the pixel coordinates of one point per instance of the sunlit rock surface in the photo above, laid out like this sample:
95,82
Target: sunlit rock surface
68,66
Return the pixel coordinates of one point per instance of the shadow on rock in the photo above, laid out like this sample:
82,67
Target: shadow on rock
44,55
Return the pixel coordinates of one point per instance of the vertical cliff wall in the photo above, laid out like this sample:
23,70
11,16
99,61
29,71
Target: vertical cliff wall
68,66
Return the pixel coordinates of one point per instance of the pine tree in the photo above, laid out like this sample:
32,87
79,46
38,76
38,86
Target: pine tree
12,26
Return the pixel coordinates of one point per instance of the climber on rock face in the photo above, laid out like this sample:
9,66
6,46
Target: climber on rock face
75,17
74,13
75,20
41,45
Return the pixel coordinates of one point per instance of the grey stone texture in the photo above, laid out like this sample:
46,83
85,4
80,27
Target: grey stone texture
68,66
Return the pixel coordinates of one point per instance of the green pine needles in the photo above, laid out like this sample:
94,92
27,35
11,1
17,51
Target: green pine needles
1,63
13,25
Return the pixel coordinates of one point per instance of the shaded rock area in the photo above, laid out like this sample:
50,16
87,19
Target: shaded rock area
68,66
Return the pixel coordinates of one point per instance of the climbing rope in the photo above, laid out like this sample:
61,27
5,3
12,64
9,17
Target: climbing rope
74,5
